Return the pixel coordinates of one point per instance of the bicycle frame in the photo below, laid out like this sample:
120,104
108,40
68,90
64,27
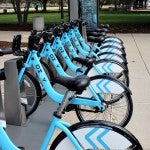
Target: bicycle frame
6,143
109,42
48,53
58,123
99,69
33,61
75,35
74,137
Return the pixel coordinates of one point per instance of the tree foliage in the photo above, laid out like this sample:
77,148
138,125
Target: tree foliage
124,4
23,15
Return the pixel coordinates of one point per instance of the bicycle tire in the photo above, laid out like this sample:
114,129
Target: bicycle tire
119,107
122,77
31,91
94,135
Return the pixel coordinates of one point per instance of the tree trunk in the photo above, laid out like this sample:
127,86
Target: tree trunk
69,9
44,3
26,10
145,3
18,9
61,9
115,3
14,6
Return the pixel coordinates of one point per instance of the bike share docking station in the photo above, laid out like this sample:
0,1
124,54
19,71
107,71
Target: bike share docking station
88,11
25,132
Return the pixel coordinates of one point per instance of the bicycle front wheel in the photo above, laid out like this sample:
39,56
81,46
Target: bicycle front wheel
97,135
30,93
116,99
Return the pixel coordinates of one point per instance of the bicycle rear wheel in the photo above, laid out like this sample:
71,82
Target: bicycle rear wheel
30,93
97,135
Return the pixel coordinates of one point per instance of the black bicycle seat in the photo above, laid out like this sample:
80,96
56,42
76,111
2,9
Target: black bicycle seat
85,61
101,30
95,39
104,26
97,30
77,84
96,34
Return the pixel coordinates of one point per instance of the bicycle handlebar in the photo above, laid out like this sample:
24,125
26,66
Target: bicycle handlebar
5,52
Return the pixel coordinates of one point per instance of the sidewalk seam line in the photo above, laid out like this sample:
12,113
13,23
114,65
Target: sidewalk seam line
140,54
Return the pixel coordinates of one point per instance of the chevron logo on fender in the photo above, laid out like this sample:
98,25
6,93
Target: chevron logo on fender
105,86
107,67
100,134
98,86
102,86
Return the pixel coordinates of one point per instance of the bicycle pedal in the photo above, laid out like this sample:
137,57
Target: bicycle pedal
20,147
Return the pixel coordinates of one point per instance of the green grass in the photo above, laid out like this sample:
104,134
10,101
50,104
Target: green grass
105,17
48,18
8,19
125,18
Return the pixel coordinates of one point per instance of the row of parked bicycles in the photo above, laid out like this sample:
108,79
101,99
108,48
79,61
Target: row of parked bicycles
95,78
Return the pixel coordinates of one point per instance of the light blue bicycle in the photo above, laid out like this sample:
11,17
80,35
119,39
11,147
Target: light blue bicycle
101,89
80,136
110,45
98,32
98,98
109,52
89,66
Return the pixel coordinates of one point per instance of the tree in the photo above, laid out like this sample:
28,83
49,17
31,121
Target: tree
44,3
145,3
62,9
123,4
22,17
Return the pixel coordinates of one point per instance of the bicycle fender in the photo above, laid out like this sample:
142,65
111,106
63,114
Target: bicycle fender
126,88
105,67
111,53
111,61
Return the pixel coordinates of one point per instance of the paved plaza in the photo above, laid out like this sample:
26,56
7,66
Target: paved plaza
138,56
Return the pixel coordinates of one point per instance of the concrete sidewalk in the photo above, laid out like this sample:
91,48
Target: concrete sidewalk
138,56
